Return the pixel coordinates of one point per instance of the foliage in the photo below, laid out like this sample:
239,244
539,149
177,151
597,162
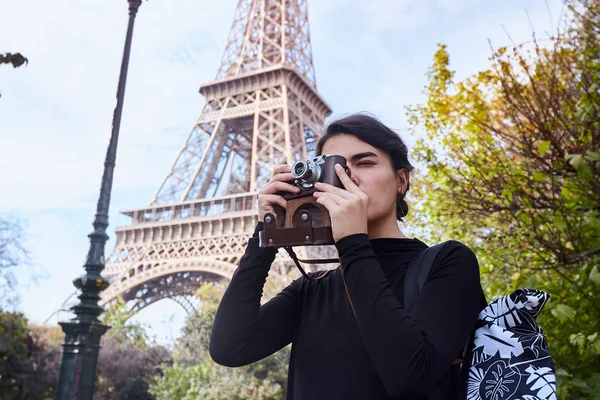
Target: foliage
12,255
126,370
46,354
194,375
213,382
131,367
192,346
15,347
16,59
127,364
513,170
30,358
122,329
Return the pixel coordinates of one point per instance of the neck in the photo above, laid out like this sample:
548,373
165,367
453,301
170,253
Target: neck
387,228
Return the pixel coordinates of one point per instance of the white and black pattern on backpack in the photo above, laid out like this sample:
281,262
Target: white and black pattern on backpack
510,357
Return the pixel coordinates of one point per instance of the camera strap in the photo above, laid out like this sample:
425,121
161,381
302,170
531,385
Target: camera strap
297,261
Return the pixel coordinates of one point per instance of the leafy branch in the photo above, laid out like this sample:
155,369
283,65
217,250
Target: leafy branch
16,59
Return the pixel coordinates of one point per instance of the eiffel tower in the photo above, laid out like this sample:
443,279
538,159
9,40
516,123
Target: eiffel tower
262,110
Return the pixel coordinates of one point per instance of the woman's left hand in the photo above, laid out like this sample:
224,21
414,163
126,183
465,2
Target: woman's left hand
347,208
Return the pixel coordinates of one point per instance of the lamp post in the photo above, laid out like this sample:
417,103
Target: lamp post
83,332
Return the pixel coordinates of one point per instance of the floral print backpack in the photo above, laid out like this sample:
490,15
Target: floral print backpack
507,357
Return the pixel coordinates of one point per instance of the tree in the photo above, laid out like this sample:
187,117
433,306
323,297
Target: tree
192,346
15,346
28,367
45,355
121,327
127,363
12,255
512,164
30,357
126,370
16,59
195,376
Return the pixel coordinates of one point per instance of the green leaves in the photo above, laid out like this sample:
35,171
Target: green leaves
563,312
122,328
539,176
595,274
595,342
583,169
15,364
592,156
194,375
543,147
512,168
574,159
560,222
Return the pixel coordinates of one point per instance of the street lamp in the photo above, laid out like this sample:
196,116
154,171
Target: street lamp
83,332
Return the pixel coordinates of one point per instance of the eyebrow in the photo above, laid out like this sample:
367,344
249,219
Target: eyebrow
359,156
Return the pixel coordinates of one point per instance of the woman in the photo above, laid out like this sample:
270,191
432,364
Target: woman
351,337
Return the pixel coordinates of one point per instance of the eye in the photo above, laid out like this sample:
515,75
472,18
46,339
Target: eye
366,163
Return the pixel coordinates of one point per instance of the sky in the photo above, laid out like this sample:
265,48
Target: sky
56,113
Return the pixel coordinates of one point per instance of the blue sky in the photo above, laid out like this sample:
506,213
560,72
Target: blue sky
55,114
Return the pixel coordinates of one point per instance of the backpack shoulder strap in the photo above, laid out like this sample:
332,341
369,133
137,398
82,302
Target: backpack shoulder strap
418,272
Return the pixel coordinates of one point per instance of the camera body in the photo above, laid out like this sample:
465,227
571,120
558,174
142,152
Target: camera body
318,169
304,222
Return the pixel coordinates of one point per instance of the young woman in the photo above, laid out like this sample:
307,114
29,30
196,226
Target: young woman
351,337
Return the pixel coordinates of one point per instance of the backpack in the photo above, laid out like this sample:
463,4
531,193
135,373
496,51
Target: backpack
506,357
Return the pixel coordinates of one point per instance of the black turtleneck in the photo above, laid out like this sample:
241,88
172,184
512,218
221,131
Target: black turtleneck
383,352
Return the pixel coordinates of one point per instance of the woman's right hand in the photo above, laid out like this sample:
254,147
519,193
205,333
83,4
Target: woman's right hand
268,197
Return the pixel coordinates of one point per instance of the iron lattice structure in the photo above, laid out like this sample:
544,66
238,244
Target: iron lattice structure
262,110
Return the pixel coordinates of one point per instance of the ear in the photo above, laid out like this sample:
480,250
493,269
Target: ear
402,181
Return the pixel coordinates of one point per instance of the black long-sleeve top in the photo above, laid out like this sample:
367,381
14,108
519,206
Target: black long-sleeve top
383,352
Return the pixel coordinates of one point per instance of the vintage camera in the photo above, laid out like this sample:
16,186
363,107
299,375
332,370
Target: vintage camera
304,222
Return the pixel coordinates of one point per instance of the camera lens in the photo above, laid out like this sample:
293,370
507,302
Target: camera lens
299,169
306,173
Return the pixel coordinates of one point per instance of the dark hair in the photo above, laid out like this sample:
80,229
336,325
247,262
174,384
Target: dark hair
372,131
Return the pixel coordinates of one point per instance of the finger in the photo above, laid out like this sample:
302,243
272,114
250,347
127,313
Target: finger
346,181
329,204
326,187
339,200
278,186
282,176
282,168
274,199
